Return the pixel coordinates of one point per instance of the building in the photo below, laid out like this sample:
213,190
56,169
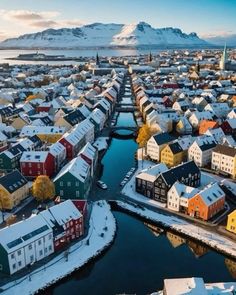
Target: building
156,144
172,154
224,59
156,183
15,188
206,125
224,160
179,195
35,163
201,150
74,179
24,243
59,153
231,223
207,203
184,286
66,221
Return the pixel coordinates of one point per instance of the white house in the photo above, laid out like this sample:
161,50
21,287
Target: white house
86,129
217,133
59,153
196,117
219,109
201,150
179,195
24,243
224,159
156,144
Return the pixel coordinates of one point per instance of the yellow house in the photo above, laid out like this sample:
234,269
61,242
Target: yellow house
231,224
61,122
172,154
49,134
14,188
19,122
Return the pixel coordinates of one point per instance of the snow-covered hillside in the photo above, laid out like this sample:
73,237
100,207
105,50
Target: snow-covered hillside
105,35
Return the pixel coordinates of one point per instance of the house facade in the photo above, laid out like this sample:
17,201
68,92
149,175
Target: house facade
231,223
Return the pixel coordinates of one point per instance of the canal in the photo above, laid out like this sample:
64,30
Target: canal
140,259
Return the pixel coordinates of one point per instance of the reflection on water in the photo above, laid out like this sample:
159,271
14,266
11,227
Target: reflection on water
154,229
197,249
231,266
175,240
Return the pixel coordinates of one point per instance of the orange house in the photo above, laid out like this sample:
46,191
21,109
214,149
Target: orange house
207,202
207,124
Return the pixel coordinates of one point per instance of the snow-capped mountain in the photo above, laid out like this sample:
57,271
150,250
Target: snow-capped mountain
229,39
105,35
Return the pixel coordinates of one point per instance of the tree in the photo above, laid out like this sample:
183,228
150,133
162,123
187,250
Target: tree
43,188
5,202
144,133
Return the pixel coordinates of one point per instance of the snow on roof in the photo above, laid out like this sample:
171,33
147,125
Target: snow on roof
185,286
232,123
57,148
151,174
78,167
89,151
32,130
22,233
65,212
34,156
185,191
211,193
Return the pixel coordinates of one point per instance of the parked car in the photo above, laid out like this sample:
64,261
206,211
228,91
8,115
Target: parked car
101,184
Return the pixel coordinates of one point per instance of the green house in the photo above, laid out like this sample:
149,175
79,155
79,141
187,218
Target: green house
74,180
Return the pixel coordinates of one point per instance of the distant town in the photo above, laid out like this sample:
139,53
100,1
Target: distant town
58,123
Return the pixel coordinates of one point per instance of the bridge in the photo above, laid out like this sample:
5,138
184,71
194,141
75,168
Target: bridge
116,128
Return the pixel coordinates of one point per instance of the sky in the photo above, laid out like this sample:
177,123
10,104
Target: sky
205,17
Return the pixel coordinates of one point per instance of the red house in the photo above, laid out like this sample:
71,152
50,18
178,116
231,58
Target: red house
67,223
73,142
36,163
167,102
229,126
44,107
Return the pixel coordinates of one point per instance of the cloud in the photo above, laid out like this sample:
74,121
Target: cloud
26,16
72,23
217,33
44,24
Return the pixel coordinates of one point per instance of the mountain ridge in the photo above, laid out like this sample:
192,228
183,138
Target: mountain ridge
105,35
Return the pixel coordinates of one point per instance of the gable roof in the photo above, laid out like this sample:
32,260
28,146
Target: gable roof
225,150
13,181
162,138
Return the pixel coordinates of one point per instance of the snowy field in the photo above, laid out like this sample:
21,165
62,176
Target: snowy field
211,239
102,228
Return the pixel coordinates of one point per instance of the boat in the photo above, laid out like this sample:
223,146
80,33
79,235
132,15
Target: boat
101,184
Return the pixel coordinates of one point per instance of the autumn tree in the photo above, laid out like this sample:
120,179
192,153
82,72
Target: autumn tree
43,188
144,133
5,202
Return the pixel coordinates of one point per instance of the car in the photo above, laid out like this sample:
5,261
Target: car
101,184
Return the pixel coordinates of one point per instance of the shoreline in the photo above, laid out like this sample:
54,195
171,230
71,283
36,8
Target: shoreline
51,273
179,227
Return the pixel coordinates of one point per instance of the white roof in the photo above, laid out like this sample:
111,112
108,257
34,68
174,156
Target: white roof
185,191
89,151
65,212
151,174
14,236
185,286
32,130
211,193
57,148
78,167
34,156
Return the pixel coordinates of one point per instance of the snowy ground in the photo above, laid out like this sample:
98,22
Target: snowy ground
101,222
211,239
214,289
101,143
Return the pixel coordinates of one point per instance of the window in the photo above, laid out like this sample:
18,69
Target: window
12,256
45,250
76,183
61,192
61,183
14,266
19,252
50,237
30,247
50,248
68,183
39,242
19,263
31,258
40,252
